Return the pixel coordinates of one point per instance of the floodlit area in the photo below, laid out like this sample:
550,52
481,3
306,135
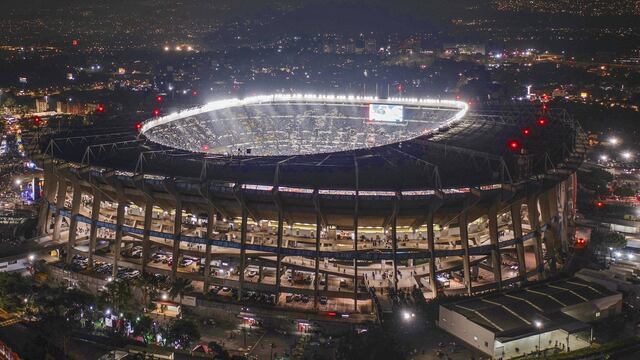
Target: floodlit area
300,124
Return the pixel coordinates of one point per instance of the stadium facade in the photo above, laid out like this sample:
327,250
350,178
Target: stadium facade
421,193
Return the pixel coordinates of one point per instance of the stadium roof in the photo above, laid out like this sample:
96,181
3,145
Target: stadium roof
472,152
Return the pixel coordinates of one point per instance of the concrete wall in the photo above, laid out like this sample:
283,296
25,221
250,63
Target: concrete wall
468,331
547,340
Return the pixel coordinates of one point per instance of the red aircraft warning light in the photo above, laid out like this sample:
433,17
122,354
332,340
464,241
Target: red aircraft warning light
156,112
542,121
599,204
514,145
159,98
100,108
74,42
526,131
138,126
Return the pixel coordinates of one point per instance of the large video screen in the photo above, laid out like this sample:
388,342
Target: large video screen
386,113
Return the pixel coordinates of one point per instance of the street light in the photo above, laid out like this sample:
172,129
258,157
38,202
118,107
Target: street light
614,140
32,257
626,155
538,325
604,157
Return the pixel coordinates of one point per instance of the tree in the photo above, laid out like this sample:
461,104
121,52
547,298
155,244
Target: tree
608,239
13,290
118,294
148,284
624,191
180,287
183,332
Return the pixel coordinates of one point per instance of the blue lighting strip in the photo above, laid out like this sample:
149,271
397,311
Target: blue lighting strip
339,255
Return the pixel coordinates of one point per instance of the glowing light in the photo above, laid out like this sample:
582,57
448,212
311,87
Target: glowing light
138,126
514,145
166,48
165,296
538,324
526,131
614,141
604,157
599,204
156,112
101,108
541,121
18,181
159,98
74,42
626,155
32,257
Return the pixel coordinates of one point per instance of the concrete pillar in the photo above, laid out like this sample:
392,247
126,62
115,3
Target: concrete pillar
60,197
95,217
326,281
119,233
394,243
355,249
146,233
464,238
50,184
177,234
549,236
243,249
534,223
432,250
496,258
280,231
211,220
73,220
316,285
516,221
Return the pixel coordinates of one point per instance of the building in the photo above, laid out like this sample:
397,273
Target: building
550,315
354,187
42,104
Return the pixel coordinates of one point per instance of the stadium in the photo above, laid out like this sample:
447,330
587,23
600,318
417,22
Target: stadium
339,199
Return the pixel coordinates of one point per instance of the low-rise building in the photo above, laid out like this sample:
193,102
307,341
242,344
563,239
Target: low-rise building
550,315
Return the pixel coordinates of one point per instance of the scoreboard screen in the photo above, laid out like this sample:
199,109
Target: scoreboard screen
383,113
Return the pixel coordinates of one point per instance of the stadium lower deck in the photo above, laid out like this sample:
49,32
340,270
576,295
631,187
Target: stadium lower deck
490,220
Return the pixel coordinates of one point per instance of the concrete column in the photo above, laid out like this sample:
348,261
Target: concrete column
119,233
50,184
432,250
95,217
146,234
394,243
73,220
60,197
355,249
279,255
496,258
464,238
326,281
549,236
516,220
316,285
177,234
534,223
211,220
243,249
